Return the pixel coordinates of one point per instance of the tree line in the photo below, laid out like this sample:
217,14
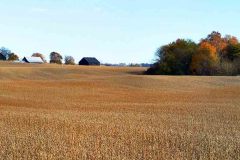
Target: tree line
55,57
213,55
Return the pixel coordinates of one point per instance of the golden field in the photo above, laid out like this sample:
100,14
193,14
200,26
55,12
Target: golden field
74,112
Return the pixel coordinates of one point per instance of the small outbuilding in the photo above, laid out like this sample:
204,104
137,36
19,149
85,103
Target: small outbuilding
32,60
2,57
89,61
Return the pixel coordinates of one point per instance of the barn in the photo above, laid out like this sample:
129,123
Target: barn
32,60
89,61
2,57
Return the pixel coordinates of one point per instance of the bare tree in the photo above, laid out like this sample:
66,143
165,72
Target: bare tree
69,60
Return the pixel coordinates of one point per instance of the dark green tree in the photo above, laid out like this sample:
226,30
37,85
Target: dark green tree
55,58
174,58
233,51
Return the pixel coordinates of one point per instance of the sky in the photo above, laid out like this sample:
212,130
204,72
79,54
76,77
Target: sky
113,31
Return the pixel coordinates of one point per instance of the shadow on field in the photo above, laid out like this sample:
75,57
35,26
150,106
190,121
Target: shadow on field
136,73
142,72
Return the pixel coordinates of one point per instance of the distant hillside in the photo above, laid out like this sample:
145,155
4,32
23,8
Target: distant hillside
9,70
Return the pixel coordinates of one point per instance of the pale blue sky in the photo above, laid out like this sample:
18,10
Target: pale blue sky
111,30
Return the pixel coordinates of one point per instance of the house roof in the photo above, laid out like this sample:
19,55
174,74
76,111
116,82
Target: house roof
91,60
33,59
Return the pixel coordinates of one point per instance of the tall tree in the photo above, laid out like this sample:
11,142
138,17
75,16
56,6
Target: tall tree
55,58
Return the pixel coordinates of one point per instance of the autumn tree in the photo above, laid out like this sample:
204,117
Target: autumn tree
69,60
205,60
55,58
39,55
230,59
216,40
13,57
231,40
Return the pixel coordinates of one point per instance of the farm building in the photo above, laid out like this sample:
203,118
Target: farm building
2,57
32,60
89,61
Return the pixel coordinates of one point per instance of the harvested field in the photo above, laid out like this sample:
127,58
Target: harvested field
75,112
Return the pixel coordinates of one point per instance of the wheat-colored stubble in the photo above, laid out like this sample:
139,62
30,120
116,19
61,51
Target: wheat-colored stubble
73,112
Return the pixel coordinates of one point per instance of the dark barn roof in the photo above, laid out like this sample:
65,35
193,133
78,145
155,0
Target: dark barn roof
2,57
89,61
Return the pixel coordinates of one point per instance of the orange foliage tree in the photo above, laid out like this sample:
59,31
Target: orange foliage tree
231,40
204,61
216,40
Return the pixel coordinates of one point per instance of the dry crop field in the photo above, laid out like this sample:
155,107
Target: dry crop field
73,112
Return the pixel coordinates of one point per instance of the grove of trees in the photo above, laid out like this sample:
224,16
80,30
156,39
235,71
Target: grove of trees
213,55
8,54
